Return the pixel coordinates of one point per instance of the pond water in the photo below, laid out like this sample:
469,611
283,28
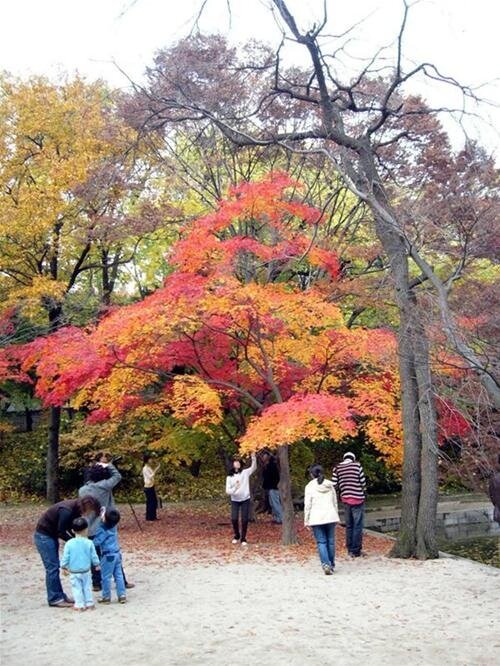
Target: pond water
479,541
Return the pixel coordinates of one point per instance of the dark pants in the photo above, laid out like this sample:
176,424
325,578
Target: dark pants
354,516
151,503
49,552
236,508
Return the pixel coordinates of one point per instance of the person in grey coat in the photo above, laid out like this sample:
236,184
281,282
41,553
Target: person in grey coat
102,478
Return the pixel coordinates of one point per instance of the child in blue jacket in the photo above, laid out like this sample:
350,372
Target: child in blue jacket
78,556
106,538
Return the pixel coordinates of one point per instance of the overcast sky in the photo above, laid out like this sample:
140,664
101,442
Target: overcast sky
56,36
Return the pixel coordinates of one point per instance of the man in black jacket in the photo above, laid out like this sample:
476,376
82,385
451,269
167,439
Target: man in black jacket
270,481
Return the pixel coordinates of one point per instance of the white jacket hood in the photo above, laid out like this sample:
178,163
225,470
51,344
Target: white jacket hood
325,487
320,503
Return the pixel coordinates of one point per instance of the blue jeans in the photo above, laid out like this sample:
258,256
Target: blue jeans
48,547
354,516
325,542
111,567
275,503
81,586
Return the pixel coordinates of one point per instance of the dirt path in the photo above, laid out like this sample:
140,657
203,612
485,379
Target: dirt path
254,611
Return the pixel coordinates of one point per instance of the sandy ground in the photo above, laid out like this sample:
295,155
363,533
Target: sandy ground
253,611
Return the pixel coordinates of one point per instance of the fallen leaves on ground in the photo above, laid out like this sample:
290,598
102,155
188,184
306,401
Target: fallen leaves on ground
197,531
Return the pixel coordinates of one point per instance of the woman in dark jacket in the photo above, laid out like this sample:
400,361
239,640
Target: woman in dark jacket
53,525
494,491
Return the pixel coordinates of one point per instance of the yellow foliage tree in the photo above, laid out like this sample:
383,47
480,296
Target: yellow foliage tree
55,141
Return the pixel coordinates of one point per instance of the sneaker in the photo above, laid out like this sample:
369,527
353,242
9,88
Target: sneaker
104,600
129,586
62,604
79,610
244,542
122,600
90,607
96,588
235,540
327,569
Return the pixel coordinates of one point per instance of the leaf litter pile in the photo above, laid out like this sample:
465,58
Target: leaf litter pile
195,530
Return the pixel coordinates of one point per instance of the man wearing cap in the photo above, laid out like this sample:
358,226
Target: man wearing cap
350,480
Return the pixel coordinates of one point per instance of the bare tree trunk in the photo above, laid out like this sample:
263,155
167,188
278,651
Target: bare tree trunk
109,274
52,463
405,545
289,533
52,467
225,458
420,483
427,508
106,282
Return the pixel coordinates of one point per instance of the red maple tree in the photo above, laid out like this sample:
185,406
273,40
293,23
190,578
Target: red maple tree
233,335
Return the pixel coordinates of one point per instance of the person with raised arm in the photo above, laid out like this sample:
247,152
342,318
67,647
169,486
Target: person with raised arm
238,488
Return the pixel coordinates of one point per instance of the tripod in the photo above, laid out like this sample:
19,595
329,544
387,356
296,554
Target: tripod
133,511
127,497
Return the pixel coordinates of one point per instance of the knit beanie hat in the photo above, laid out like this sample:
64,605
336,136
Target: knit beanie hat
349,455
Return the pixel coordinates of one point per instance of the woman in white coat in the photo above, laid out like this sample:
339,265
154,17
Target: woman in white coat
321,515
238,488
